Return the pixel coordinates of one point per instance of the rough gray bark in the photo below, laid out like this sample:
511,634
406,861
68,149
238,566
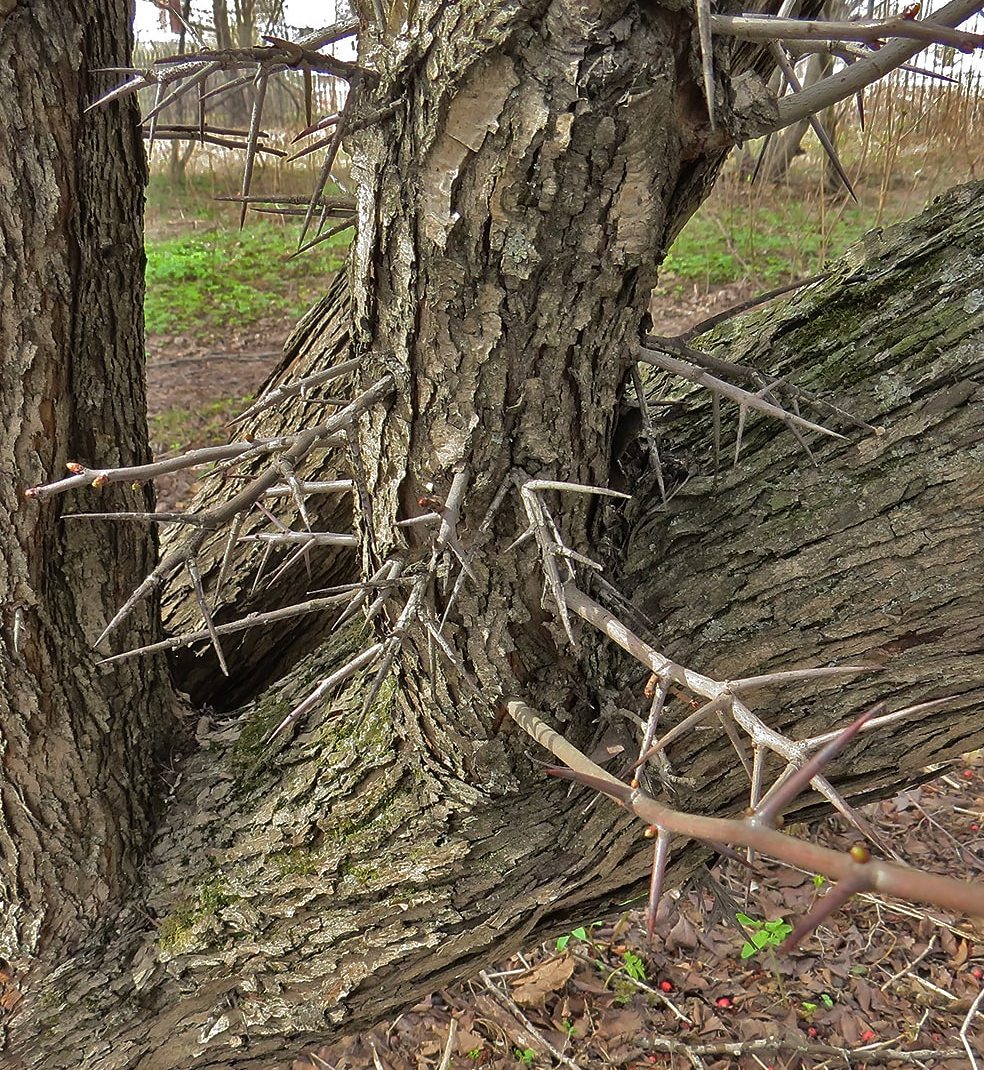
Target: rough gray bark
512,220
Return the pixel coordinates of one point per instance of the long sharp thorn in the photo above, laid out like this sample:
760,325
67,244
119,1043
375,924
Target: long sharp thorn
716,417
655,709
152,132
838,895
649,428
620,792
329,160
660,852
348,221
163,571
700,714
662,358
741,428
131,85
769,811
886,719
729,728
261,568
519,540
706,55
818,128
393,648
361,661
752,683
185,86
860,102
254,134
234,530
557,590
196,583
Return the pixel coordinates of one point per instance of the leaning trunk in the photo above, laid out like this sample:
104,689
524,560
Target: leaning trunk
316,884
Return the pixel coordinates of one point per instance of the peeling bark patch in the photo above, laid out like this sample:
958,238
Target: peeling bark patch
472,114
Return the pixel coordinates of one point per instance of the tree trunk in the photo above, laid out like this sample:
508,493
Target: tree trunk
81,746
315,886
511,222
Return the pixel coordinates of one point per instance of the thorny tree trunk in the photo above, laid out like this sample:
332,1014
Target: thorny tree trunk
316,886
511,223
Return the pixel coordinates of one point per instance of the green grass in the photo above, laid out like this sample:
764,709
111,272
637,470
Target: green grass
730,240
219,277
179,428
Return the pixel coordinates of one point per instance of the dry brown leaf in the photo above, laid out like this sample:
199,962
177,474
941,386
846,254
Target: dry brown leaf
683,934
544,979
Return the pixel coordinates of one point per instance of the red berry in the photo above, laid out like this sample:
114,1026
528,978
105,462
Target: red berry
723,1001
977,973
666,986
812,1032
867,1036
968,774
975,828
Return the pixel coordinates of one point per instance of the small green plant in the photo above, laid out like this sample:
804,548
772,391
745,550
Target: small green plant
525,1056
634,966
819,880
762,934
582,932
569,1029
475,1054
808,1008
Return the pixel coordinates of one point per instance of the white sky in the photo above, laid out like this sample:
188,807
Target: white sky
147,21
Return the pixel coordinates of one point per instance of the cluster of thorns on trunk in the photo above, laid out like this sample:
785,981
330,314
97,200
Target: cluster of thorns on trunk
396,597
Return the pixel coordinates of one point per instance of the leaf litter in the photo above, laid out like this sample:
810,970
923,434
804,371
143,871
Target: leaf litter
885,984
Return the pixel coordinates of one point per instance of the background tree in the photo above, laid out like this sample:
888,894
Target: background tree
528,167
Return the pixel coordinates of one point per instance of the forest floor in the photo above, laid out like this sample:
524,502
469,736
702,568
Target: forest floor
883,985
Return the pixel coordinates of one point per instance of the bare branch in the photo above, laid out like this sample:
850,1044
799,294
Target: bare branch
685,370
782,61
851,80
753,27
865,874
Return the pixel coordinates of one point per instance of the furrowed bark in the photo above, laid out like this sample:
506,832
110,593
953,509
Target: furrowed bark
80,747
872,554
512,215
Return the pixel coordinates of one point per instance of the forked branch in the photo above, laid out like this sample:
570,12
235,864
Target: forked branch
856,868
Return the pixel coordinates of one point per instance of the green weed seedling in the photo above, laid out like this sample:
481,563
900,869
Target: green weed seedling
525,1056
762,934
825,998
582,932
634,966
